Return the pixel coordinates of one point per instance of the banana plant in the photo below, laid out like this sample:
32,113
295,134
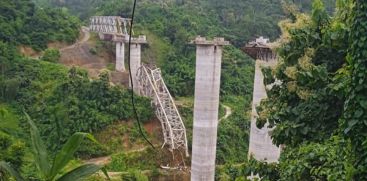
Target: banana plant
52,171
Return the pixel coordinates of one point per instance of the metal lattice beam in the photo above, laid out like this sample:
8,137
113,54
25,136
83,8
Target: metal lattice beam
115,25
151,84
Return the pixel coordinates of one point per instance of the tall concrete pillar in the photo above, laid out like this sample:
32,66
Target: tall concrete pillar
206,105
120,56
261,145
135,59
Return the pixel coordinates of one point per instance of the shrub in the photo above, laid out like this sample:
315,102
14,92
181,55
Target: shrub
51,55
89,149
11,150
142,160
93,51
111,66
134,175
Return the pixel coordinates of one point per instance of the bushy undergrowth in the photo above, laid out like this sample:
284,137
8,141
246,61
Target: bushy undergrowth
233,132
317,108
142,160
21,22
134,175
65,101
11,150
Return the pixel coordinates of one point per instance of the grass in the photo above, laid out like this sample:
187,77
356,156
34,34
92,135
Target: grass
121,136
147,159
157,49
111,66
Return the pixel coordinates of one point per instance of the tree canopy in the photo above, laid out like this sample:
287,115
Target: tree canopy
317,105
21,22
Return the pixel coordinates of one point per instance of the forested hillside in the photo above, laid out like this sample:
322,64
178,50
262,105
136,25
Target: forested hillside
60,100
56,97
21,22
316,104
174,23
317,107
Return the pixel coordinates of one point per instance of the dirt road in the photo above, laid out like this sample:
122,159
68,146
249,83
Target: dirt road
80,54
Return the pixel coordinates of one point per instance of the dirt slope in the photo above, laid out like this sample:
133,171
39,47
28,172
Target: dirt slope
79,54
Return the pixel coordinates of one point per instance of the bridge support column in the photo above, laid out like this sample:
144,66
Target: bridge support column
207,84
261,146
120,56
135,60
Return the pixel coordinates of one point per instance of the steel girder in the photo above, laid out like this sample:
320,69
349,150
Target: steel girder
151,84
115,25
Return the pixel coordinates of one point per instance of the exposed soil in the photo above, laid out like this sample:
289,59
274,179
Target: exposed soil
117,136
152,127
80,54
99,161
57,45
29,52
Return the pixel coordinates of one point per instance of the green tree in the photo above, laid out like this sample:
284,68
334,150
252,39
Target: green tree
307,100
12,152
329,160
21,22
52,171
51,55
354,122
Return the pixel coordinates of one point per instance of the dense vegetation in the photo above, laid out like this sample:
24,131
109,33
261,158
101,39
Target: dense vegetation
170,26
306,72
355,110
21,22
318,104
61,100
82,9
52,170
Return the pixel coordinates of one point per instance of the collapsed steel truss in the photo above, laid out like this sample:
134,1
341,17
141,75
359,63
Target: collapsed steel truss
151,85
109,25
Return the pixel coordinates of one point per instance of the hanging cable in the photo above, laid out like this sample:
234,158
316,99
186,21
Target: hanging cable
131,79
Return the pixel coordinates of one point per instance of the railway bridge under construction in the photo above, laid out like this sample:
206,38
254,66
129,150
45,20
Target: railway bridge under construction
148,82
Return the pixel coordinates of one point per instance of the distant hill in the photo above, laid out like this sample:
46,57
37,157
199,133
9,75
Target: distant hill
238,20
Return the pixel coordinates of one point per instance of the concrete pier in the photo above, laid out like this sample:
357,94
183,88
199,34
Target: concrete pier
261,146
135,59
120,56
207,84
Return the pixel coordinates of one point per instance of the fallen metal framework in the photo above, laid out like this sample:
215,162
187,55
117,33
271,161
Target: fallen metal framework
151,84
109,25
